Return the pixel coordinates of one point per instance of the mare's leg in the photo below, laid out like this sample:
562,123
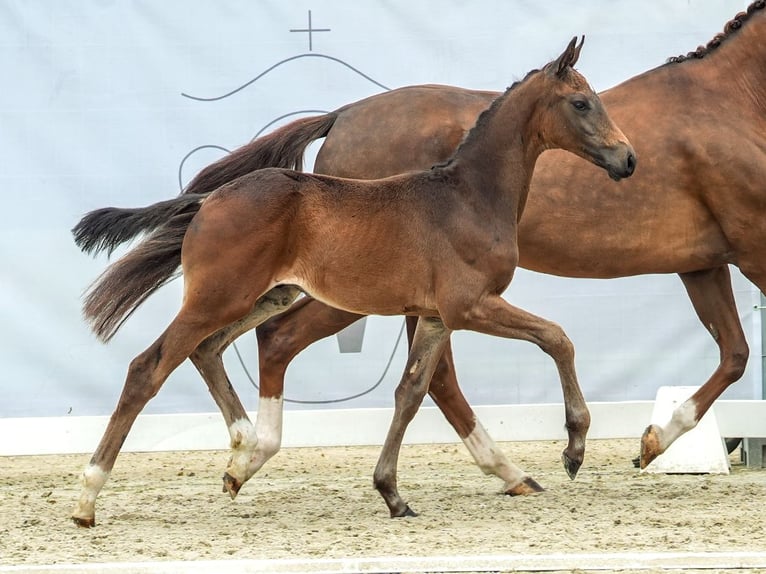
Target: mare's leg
146,374
713,300
251,445
495,316
446,393
282,337
428,343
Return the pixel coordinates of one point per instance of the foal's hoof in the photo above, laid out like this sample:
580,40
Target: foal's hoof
650,445
84,522
407,511
527,486
231,485
571,465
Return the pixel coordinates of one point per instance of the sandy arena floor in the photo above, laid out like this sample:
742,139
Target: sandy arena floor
319,502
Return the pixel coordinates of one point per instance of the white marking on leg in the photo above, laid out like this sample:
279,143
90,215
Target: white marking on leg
268,425
93,479
684,419
244,440
490,459
252,445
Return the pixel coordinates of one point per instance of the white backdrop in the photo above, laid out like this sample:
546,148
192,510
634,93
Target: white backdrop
120,103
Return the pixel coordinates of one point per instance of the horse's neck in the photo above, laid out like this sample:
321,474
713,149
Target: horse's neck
737,64
745,51
499,154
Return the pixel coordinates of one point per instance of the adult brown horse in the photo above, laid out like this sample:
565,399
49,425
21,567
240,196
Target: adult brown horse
439,244
699,124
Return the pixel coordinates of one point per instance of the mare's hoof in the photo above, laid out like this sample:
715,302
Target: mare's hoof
406,512
650,445
231,485
571,465
527,486
84,522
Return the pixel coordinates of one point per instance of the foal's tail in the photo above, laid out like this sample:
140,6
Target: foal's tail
283,147
130,280
109,227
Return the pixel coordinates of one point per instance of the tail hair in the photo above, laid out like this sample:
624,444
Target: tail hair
284,147
133,278
107,228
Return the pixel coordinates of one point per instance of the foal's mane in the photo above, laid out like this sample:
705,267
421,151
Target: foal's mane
483,119
731,26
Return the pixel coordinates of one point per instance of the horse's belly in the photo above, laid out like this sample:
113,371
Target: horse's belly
366,294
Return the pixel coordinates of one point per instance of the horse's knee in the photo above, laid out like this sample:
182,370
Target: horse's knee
557,344
735,362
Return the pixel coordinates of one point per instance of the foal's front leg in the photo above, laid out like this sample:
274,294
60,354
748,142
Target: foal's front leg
251,446
495,316
428,343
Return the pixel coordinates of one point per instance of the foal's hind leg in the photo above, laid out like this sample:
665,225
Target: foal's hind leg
251,445
146,374
712,297
430,337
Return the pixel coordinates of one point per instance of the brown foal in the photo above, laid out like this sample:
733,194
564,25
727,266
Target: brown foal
439,244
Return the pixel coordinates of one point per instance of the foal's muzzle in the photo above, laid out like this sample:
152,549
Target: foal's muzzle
625,163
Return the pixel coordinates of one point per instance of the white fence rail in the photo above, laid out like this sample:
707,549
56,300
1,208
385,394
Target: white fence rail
207,431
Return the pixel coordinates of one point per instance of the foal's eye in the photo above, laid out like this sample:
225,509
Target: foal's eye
580,105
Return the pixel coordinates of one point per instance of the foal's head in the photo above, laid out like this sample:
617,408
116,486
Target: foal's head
578,122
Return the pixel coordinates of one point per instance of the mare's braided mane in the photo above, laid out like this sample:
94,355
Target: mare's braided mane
731,26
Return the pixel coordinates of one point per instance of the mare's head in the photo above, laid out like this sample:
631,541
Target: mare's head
576,120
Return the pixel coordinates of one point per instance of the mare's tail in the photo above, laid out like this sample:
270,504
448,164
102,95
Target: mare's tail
284,147
130,280
106,229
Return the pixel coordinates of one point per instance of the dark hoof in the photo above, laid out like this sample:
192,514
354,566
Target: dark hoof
231,485
570,465
406,512
527,486
636,461
84,522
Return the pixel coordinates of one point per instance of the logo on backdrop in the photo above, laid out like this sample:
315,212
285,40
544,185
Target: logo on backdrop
310,54
350,339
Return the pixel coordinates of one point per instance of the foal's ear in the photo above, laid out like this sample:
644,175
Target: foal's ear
569,57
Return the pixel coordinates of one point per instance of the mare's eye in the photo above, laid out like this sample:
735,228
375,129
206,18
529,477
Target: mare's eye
580,105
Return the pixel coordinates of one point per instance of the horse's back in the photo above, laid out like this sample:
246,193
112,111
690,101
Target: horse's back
406,129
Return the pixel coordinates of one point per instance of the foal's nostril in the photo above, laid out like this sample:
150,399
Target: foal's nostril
631,162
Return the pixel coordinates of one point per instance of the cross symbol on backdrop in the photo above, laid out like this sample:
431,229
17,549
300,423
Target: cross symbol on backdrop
310,31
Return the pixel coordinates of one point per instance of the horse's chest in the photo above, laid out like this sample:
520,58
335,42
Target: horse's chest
492,252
